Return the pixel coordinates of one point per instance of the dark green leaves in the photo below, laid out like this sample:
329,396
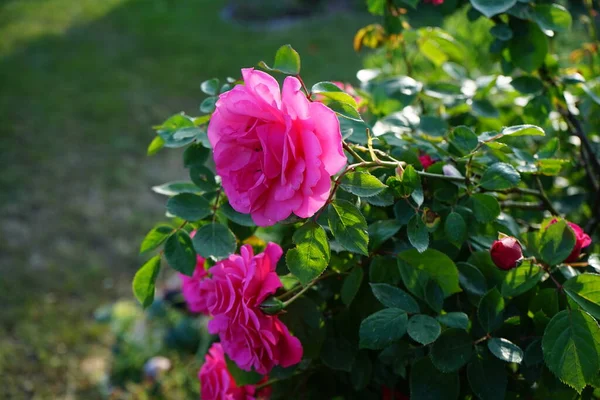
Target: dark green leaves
455,228
362,184
423,329
214,240
454,320
434,265
452,350
332,92
521,279
584,289
491,310
177,131
348,226
485,207
189,207
488,378
210,87
552,17
527,84
427,382
351,285
287,61
311,256
500,176
463,140
489,8
155,237
240,376
144,281
571,346
382,328
417,233
523,130
180,253
528,47
505,350
556,242
393,297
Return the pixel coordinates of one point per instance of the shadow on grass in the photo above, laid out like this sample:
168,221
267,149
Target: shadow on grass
75,200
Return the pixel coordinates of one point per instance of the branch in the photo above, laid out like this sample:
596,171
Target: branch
545,198
523,205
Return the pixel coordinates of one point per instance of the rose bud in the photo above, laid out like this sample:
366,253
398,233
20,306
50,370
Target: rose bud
426,160
506,253
581,240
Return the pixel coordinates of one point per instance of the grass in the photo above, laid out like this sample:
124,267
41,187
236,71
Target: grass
82,82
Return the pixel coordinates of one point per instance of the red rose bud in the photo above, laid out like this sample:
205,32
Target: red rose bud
506,253
581,240
426,161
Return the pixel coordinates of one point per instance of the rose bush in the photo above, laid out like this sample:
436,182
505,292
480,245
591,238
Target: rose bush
427,254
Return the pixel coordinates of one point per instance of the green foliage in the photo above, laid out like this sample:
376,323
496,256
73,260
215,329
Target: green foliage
180,254
287,61
311,256
349,227
382,328
144,281
214,240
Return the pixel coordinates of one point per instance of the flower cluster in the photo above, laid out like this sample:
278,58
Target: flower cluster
275,151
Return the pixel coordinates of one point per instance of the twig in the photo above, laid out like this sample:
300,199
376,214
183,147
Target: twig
308,94
545,198
524,205
352,152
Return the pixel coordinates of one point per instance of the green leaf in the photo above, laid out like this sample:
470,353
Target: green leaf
144,281
208,105
195,154
528,47
351,285
189,207
485,207
434,296
471,279
361,371
501,31
210,87
393,297
523,130
376,7
500,176
505,350
584,289
382,328
178,131
452,350
491,310
155,237
173,188
384,270
418,234
348,226
489,8
345,110
240,376
488,378
458,320
311,256
287,61
362,184
521,279
571,346
236,217
180,253
552,17
338,353
433,126
436,265
556,243
484,108
381,231
155,145
463,139
423,329
549,149
428,383
214,240
455,228
333,92
527,84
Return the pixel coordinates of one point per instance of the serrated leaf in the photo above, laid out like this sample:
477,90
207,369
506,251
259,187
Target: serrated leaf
417,232
381,231
155,145
458,320
427,382
505,350
195,154
571,346
210,87
500,176
155,237
214,240
491,310
556,243
393,297
189,207
351,285
143,284
237,217
488,378
180,253
523,130
463,139
485,207
455,228
287,61
382,328
333,92
436,265
584,289
312,253
348,226
173,188
240,376
489,8
452,350
552,17
362,184
521,279
471,279
423,329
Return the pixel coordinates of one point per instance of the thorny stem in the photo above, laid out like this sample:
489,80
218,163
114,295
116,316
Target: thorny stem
300,293
482,339
352,152
216,206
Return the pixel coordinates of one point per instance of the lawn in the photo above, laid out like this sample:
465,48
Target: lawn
82,82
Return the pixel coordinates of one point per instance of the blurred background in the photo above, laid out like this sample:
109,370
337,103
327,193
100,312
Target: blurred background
81,84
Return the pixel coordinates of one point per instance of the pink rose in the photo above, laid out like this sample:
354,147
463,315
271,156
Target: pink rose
506,253
216,383
426,160
275,152
192,292
435,2
581,240
237,287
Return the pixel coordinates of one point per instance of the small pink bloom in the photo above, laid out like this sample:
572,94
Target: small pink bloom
506,253
275,151
581,240
235,290
426,160
192,292
216,383
435,2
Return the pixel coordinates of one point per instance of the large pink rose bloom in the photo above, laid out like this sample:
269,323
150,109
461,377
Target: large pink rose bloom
237,287
216,383
192,292
275,151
